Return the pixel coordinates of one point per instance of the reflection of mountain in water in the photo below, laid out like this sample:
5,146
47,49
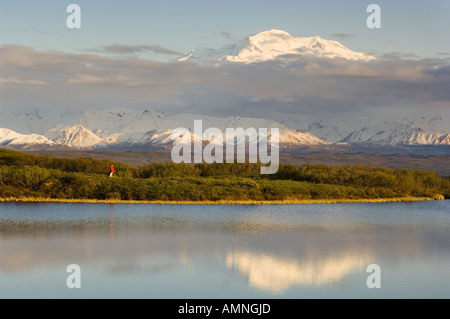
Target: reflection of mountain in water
180,251
275,275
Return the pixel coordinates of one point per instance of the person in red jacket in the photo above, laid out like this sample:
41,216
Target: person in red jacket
111,171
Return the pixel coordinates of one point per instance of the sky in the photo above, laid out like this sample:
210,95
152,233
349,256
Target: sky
119,57
410,27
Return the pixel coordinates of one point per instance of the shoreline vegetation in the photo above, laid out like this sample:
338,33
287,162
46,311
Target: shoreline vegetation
220,202
32,178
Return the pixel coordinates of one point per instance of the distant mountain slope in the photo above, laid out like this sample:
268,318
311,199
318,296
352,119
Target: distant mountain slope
395,133
36,121
9,137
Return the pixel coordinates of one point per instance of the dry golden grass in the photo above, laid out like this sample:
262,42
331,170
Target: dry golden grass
222,202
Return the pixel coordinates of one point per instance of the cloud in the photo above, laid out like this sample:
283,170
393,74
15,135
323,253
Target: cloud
342,36
118,80
18,81
281,90
229,36
442,72
15,55
133,49
400,55
226,35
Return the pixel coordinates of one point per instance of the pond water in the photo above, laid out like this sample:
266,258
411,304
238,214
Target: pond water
225,251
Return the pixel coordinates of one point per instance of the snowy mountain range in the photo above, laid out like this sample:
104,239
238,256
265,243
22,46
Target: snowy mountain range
153,128
395,133
275,44
129,129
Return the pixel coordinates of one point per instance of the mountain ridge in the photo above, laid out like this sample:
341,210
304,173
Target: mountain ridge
153,128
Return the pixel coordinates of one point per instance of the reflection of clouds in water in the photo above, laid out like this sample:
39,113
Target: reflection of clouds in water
271,250
19,261
276,275
185,258
142,266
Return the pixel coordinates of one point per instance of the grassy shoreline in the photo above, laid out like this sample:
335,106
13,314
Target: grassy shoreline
29,178
219,202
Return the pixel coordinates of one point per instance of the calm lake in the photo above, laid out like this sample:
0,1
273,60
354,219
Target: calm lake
228,251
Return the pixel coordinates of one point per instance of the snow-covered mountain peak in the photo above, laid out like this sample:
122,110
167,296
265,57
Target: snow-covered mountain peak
262,36
276,44
78,136
400,133
9,137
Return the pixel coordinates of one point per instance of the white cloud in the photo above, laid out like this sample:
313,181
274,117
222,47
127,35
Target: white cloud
10,80
321,87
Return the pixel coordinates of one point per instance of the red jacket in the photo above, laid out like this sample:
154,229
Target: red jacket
111,170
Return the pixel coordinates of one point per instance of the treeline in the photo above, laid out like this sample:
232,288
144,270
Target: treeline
25,175
157,170
70,165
